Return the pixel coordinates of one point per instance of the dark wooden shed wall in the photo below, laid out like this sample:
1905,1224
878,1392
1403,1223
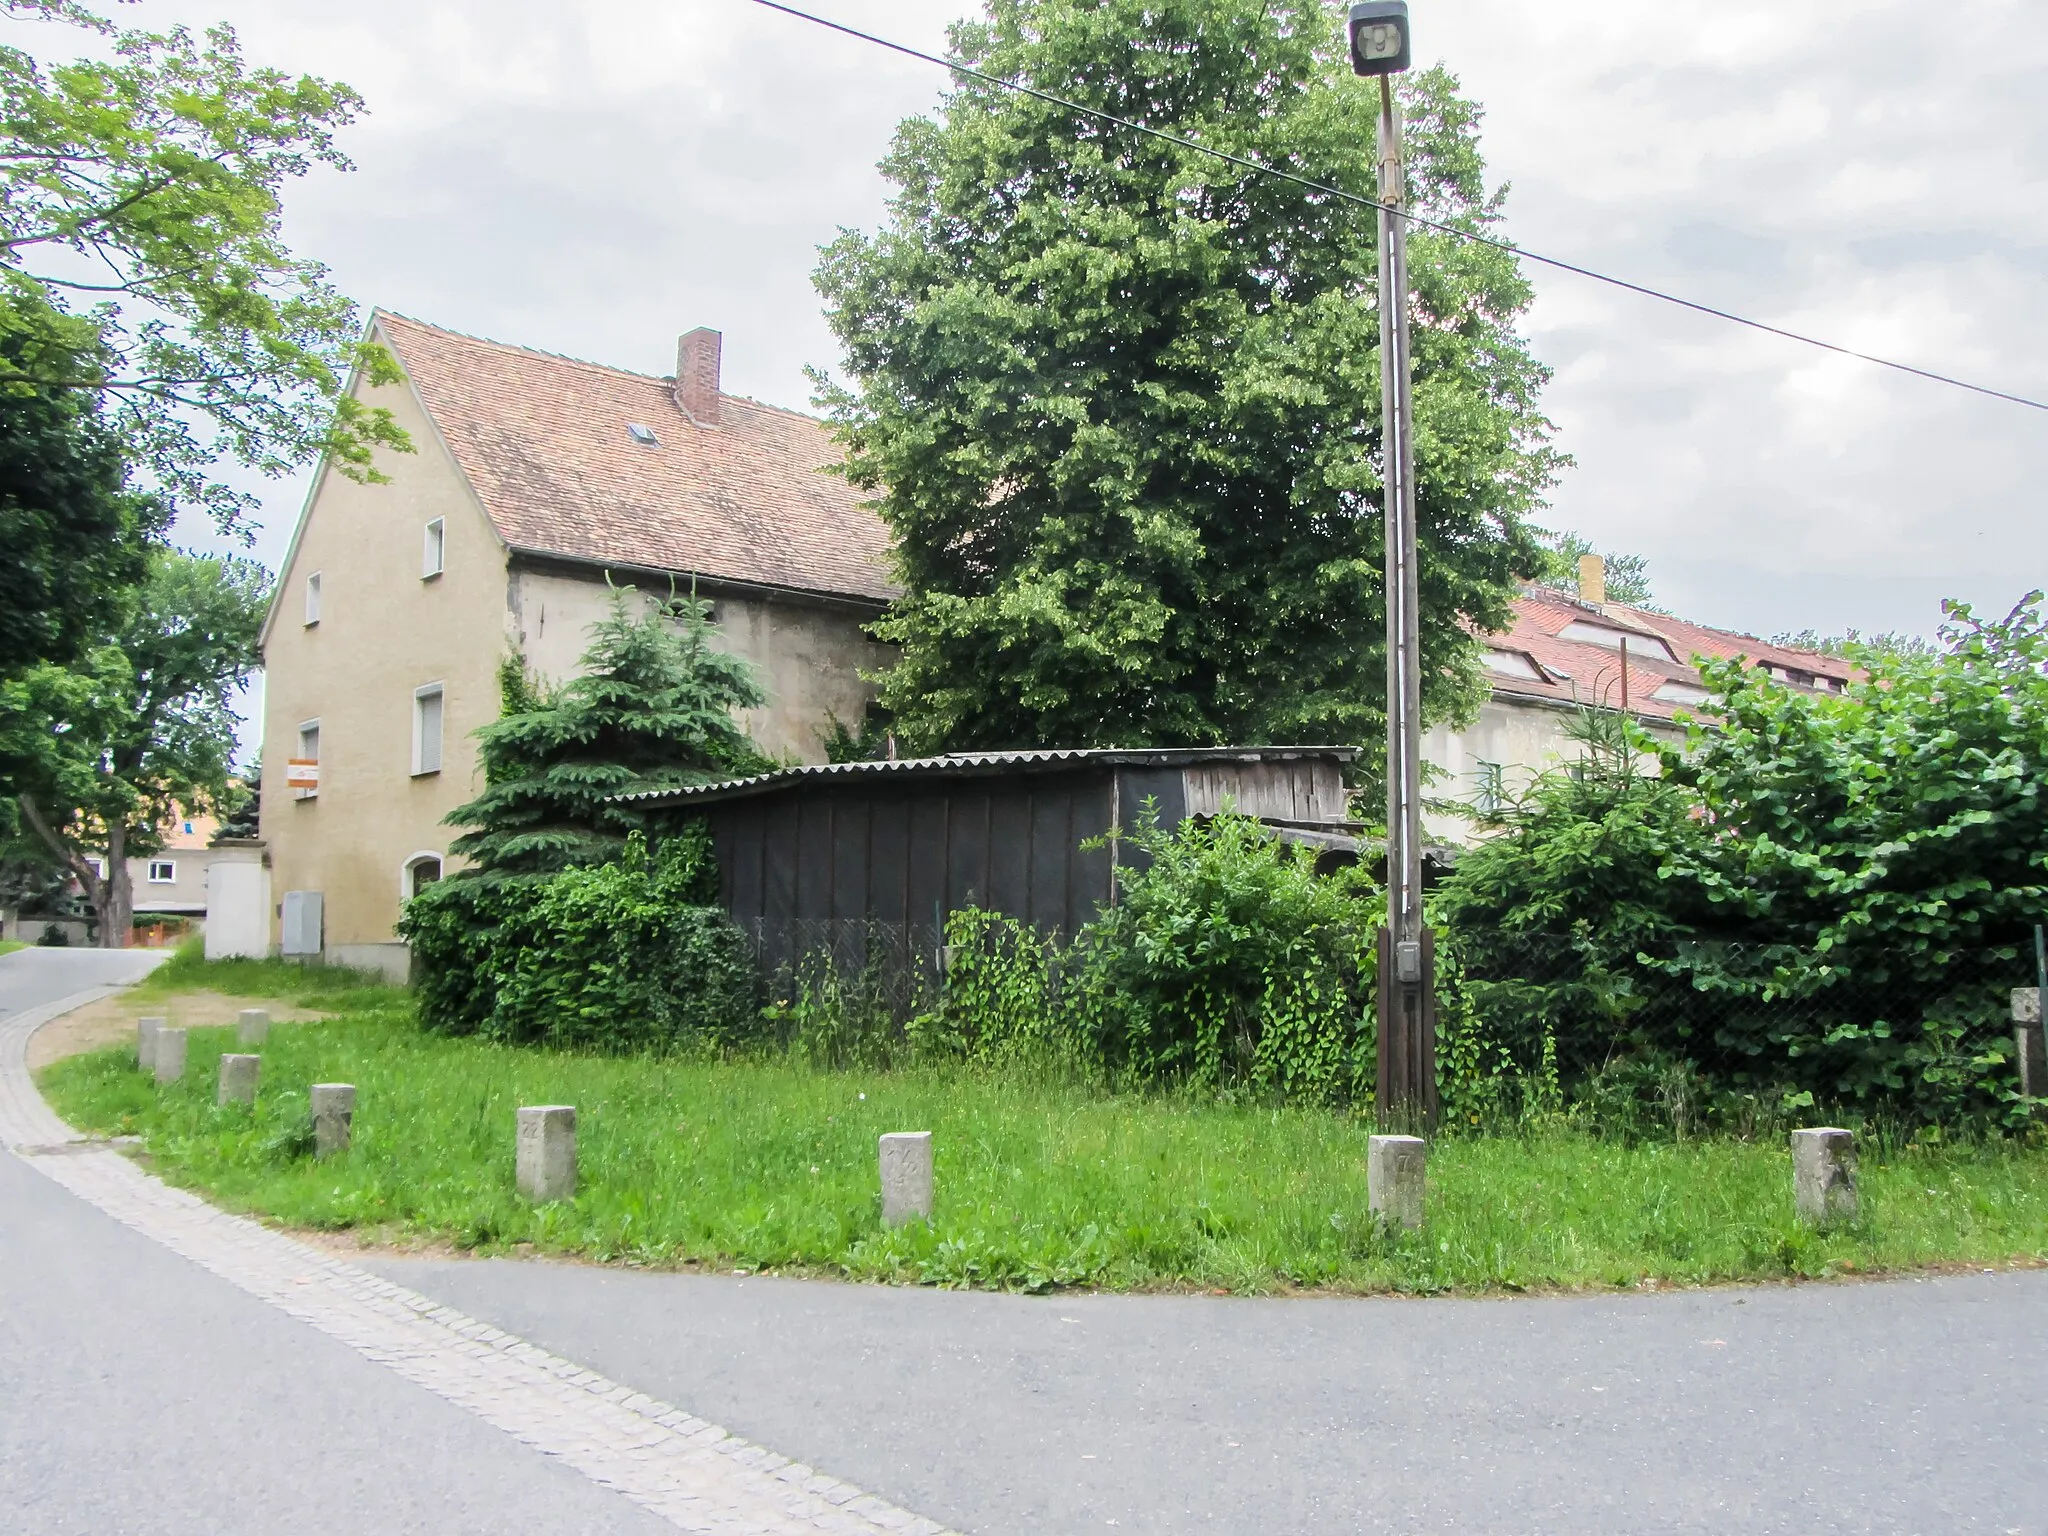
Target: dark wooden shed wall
905,851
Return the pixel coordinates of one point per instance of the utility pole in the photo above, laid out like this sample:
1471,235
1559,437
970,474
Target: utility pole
1381,46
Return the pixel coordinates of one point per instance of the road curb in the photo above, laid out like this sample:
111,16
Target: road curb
690,1472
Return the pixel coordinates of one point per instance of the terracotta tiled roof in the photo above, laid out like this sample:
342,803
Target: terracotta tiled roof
544,442
1661,649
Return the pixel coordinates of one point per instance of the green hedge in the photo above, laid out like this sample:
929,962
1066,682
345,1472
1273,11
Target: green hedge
621,956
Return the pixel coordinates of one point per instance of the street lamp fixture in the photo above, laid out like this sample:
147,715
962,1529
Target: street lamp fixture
1381,48
1379,37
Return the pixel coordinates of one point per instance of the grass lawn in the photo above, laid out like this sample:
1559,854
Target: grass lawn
765,1165
9,946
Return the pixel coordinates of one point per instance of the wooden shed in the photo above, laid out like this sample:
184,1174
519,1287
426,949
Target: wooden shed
901,844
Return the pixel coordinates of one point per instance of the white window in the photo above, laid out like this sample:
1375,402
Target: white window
421,871
426,729
313,599
1676,692
434,556
163,872
97,865
1491,791
1515,664
1613,639
302,773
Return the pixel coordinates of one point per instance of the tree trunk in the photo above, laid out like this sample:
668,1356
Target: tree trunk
99,890
114,901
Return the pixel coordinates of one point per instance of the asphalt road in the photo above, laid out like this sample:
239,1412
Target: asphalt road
141,1395
1897,1407
32,977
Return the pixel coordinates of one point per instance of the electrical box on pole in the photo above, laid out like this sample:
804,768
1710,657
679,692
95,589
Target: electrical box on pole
1381,46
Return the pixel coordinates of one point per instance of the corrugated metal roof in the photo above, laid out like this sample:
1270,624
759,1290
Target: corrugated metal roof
974,764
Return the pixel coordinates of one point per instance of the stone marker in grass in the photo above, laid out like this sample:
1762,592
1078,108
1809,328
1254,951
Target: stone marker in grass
906,1177
2027,1035
238,1079
252,1026
546,1159
167,1054
334,1114
145,1043
1396,1173
1824,1175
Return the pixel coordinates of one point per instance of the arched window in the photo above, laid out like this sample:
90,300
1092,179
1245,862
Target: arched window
421,871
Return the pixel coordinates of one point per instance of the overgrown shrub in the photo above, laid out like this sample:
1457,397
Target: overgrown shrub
1825,894
454,928
619,956
1226,966
1228,960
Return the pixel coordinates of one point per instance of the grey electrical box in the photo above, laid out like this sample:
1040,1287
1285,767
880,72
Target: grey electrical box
1408,962
302,915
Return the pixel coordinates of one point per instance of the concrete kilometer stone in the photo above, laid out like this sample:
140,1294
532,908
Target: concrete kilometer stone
546,1161
1824,1175
167,1055
334,1114
2029,1042
252,1026
906,1158
1396,1177
238,1076
145,1043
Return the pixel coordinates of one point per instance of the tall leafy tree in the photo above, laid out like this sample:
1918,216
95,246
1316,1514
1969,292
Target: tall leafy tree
1119,401
75,537
143,261
98,757
653,708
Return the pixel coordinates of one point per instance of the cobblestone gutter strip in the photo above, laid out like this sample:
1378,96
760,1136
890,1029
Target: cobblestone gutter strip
692,1473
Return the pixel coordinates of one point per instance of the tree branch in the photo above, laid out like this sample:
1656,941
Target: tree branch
55,841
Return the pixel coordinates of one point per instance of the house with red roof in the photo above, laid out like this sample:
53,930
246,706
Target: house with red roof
1567,651
538,484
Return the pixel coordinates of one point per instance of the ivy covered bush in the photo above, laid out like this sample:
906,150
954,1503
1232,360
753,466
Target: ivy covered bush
626,955
1824,896
1226,966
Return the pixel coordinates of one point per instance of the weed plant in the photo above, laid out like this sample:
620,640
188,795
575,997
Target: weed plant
770,1164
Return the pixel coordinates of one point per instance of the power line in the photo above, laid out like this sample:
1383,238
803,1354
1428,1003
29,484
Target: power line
1414,218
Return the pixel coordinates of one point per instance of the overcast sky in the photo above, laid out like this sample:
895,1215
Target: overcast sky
594,178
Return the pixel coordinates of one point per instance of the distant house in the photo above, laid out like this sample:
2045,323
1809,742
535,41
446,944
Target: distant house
1564,652
172,881
539,484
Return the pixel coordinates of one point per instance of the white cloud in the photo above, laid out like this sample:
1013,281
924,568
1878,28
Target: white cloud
596,178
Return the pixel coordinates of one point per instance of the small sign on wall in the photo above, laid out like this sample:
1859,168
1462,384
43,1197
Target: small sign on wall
302,773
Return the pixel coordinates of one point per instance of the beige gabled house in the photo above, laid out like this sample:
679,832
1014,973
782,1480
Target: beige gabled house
539,483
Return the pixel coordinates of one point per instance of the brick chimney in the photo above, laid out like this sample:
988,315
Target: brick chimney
1592,578
697,375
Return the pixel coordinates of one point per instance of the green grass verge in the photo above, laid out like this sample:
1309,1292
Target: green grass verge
768,1165
9,946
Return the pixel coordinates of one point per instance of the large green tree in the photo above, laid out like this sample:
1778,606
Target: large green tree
1119,401
98,757
142,258
74,537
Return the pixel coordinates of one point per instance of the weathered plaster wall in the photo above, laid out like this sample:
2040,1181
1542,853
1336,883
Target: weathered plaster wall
1524,737
383,632
808,657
